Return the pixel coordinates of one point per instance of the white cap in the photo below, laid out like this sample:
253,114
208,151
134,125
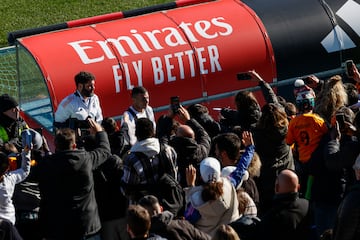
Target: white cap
210,169
299,83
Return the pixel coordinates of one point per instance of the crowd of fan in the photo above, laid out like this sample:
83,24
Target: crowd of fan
286,170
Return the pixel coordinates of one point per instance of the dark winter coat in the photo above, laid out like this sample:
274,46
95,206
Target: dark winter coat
275,155
289,218
328,185
341,155
68,208
191,151
347,225
166,226
112,204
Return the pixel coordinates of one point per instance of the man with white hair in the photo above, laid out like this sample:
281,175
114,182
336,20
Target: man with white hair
347,225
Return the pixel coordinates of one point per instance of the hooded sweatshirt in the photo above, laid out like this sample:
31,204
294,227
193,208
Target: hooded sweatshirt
214,213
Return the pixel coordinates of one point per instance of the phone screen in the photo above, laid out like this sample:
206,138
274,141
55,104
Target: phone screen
340,118
243,76
349,65
175,103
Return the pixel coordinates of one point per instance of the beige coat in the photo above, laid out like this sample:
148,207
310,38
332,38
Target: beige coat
214,213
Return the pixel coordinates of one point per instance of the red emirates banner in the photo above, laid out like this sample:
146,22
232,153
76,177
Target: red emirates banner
193,52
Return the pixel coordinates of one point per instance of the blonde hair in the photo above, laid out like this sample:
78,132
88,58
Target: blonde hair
254,166
331,98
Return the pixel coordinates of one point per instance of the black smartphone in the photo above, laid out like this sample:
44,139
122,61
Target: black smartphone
349,68
243,76
83,124
340,118
175,103
307,80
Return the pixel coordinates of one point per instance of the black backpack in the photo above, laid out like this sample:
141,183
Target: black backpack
166,188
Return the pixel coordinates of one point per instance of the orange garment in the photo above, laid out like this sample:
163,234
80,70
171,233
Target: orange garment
306,131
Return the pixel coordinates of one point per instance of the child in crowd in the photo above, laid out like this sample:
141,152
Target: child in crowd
8,180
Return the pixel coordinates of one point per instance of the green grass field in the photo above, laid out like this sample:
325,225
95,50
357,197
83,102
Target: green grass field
24,14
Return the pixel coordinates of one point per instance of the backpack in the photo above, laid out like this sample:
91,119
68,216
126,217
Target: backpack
166,188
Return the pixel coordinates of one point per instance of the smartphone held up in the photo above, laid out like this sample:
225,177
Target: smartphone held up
349,68
243,76
175,104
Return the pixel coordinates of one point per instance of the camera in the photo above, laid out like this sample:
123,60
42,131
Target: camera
175,103
83,124
74,124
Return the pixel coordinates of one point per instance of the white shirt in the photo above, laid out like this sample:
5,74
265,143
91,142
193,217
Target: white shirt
75,106
7,186
148,113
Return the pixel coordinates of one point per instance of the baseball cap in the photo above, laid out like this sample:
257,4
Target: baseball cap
210,169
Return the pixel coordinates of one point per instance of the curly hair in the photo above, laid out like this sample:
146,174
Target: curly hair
254,166
331,98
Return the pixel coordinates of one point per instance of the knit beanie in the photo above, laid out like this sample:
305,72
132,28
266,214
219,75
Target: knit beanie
7,102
